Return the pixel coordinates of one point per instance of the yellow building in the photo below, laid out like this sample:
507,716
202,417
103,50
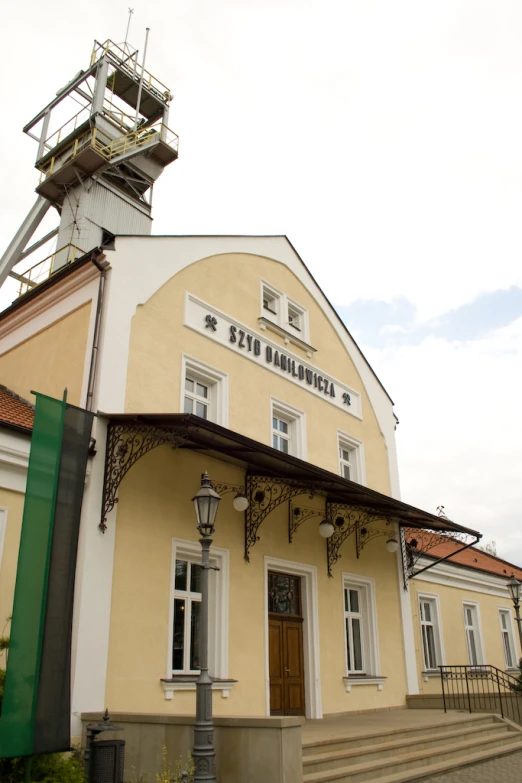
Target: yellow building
220,354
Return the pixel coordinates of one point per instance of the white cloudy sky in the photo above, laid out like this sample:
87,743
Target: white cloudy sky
384,137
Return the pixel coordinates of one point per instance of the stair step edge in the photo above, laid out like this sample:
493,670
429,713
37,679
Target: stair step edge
363,749
475,718
410,776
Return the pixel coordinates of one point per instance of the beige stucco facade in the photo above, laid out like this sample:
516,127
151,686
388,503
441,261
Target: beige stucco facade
50,360
451,588
124,341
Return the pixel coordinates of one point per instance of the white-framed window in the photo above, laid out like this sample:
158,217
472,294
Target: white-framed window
204,391
430,632
183,652
284,312
271,301
296,317
351,458
508,642
473,634
360,626
287,429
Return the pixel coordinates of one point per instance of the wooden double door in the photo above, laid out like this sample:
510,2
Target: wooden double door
285,645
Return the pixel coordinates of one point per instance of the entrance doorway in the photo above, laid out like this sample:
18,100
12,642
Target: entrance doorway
285,644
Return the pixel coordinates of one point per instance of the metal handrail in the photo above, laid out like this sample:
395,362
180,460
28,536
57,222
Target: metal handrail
118,146
42,269
122,58
481,688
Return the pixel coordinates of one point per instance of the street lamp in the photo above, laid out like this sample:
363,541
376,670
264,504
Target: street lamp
513,585
206,503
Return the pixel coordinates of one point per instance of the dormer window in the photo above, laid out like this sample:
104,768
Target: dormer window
280,311
270,301
295,317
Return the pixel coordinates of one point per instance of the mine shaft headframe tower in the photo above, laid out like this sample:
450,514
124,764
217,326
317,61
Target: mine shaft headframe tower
98,166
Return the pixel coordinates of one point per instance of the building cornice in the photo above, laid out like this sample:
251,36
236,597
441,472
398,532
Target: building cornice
452,575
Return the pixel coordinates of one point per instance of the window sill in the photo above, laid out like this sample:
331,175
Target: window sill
430,673
349,681
187,682
266,323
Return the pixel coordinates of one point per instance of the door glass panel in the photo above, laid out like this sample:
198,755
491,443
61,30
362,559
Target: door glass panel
194,634
180,580
284,595
179,634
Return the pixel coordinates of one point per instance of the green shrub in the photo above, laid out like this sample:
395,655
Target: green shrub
48,768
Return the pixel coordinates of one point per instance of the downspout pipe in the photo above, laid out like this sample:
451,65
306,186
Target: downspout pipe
97,328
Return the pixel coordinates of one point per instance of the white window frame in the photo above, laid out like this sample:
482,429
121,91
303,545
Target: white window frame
297,426
284,306
479,641
347,442
218,615
436,623
217,382
509,631
3,527
371,671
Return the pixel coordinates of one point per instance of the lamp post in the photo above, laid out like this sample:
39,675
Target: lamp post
514,586
206,503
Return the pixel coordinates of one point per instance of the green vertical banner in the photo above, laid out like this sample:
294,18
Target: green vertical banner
36,707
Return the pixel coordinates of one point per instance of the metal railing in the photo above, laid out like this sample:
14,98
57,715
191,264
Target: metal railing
140,138
129,63
42,270
135,140
481,689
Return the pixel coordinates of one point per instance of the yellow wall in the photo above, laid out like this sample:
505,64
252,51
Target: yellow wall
14,503
154,507
453,632
232,283
50,360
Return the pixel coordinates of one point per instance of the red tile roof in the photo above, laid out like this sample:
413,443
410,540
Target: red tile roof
472,558
14,410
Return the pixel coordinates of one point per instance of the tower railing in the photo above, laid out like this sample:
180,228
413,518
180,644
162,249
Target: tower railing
129,63
481,689
93,138
40,271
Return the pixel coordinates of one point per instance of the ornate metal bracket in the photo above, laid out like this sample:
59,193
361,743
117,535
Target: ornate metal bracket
346,520
364,534
299,514
418,542
128,442
265,494
222,489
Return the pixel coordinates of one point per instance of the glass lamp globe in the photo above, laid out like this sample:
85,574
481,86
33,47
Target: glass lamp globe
392,545
240,502
326,529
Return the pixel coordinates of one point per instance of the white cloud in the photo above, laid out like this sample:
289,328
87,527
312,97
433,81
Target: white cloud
460,432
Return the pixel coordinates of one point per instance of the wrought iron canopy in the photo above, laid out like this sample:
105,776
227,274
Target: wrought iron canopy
187,431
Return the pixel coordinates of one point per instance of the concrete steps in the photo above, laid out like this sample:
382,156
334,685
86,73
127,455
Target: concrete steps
402,755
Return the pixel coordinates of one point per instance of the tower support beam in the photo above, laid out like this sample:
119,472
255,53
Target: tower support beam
13,253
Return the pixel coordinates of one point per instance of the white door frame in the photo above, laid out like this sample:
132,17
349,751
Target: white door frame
312,669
